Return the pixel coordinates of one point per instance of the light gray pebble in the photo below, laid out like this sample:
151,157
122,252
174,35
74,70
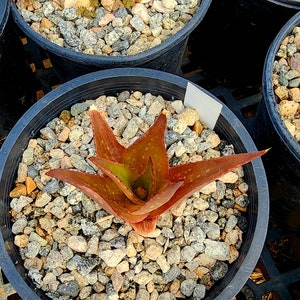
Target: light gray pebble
77,243
219,270
196,234
70,13
172,274
51,187
35,237
85,292
67,253
199,292
187,253
168,233
130,130
78,108
36,277
19,225
231,222
76,133
166,296
74,197
28,158
70,288
32,249
54,260
118,242
217,250
79,162
142,294
17,204
48,133
85,265
187,287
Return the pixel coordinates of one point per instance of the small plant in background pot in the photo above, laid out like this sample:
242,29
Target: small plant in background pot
81,36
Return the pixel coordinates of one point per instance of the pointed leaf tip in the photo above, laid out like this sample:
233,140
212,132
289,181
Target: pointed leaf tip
106,143
197,175
93,107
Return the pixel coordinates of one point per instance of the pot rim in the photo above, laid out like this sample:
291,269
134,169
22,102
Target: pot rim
4,14
287,3
132,60
268,90
253,245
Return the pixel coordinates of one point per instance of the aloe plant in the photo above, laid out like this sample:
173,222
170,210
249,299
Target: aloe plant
137,184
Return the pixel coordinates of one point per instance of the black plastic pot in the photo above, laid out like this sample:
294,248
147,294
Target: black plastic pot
16,78
4,14
283,161
111,82
237,35
69,64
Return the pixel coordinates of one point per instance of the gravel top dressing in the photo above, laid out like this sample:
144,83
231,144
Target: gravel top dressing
108,30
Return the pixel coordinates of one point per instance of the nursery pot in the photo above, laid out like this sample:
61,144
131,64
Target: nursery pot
235,53
110,82
69,64
4,14
283,160
16,80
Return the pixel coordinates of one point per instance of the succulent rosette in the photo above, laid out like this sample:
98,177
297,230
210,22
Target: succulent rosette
137,184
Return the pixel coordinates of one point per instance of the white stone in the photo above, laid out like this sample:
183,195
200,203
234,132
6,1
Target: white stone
112,257
141,10
209,188
230,177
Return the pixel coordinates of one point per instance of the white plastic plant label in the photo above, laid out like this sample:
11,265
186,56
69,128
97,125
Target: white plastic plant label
209,109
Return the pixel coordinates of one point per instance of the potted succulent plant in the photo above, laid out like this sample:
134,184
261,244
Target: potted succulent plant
277,123
83,43
136,184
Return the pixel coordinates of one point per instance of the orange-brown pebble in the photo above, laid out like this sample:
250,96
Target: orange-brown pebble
65,116
30,185
19,190
46,23
223,235
201,271
240,208
175,286
198,127
40,231
21,240
109,271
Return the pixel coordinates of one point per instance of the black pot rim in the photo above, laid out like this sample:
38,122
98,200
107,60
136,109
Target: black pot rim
4,14
287,3
247,262
268,91
119,61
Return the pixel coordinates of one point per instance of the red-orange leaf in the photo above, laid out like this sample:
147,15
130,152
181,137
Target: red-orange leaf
106,143
102,190
198,174
146,226
159,199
